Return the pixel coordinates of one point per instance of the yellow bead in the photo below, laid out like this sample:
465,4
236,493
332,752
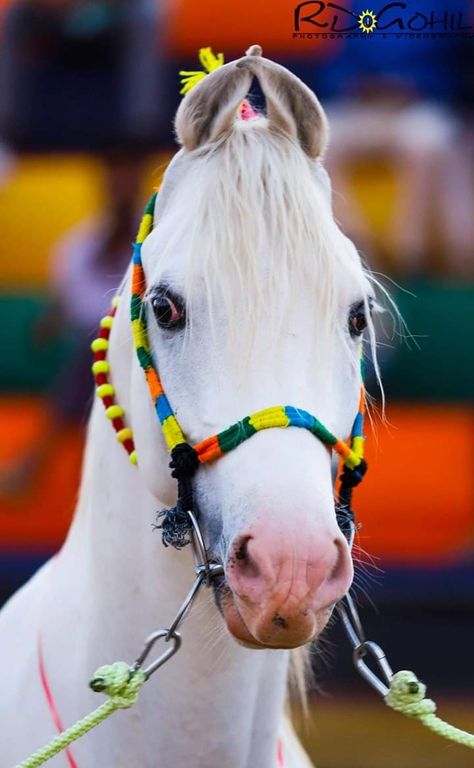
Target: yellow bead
116,301
114,412
133,457
100,366
99,345
124,434
105,390
106,322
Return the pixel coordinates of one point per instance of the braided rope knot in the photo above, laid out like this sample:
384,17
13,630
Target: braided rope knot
120,682
352,476
407,695
184,461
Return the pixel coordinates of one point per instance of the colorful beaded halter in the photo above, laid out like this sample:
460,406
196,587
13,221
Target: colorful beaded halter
185,458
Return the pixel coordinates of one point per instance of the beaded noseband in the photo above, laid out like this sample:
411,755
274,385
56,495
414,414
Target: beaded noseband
186,458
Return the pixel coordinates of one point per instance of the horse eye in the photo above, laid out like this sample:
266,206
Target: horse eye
169,310
357,320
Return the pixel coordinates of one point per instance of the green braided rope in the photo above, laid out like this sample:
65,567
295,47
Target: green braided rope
407,695
120,683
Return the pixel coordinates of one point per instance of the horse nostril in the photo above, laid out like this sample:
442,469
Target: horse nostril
244,563
241,549
338,565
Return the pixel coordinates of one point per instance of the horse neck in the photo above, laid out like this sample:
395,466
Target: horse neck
226,699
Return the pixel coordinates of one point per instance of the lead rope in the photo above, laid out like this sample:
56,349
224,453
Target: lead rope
402,691
119,684
407,695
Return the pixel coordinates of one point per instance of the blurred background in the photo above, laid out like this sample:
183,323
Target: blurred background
88,90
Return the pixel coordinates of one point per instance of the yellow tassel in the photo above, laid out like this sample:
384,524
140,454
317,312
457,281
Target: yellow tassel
209,61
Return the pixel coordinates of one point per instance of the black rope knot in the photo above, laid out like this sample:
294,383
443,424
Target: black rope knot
352,477
349,479
184,461
176,525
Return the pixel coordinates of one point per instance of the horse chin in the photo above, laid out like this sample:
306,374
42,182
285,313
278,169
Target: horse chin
239,630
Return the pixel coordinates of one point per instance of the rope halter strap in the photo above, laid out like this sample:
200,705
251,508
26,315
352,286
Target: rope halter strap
186,458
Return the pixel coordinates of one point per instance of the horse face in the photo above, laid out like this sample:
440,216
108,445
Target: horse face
252,298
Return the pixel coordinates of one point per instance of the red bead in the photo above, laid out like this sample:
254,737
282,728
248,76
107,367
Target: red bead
108,400
100,355
118,424
128,445
104,333
101,378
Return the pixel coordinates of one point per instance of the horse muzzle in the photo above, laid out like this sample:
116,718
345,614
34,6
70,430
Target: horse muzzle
281,586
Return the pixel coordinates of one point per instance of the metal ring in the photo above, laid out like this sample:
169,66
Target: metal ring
165,656
201,561
370,648
202,564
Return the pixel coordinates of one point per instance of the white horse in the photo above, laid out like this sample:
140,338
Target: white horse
259,299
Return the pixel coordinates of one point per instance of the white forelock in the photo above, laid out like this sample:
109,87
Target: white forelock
254,216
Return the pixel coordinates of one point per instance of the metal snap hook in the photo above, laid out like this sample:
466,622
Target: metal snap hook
361,648
380,660
170,651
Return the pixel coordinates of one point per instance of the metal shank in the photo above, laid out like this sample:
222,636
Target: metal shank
362,647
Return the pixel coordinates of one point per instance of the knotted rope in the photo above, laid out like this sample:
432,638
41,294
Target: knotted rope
121,683
407,695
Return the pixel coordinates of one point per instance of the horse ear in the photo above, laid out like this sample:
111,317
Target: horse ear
209,110
292,108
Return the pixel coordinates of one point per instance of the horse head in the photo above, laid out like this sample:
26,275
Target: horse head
255,297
